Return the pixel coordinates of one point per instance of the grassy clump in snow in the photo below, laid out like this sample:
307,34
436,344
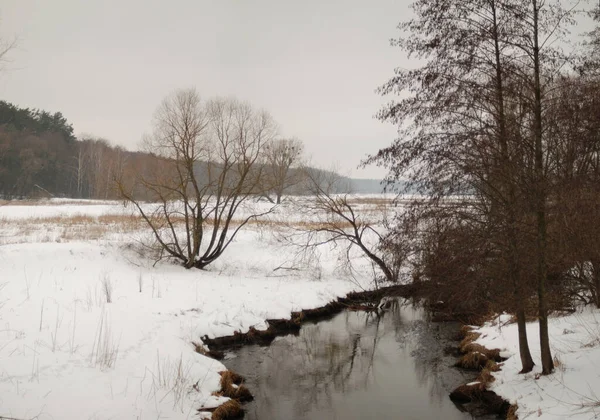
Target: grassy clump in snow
232,387
472,361
229,410
468,346
475,356
477,392
468,338
105,349
512,412
479,358
486,377
466,393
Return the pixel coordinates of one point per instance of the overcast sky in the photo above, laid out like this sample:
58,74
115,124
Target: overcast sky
106,65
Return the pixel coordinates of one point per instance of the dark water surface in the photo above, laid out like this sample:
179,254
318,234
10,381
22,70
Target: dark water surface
355,366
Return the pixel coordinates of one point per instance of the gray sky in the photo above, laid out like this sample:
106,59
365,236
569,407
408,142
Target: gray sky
106,65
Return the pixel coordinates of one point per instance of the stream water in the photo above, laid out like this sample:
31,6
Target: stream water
356,365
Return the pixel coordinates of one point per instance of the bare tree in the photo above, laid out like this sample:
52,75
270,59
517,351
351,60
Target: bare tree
455,137
5,47
538,25
342,224
208,165
282,167
472,123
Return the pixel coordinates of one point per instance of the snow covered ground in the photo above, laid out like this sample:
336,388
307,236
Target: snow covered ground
89,329
573,390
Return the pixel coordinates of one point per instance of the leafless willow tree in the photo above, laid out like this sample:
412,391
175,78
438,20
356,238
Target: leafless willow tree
283,167
208,165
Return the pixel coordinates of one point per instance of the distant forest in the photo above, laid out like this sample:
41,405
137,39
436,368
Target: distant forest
41,157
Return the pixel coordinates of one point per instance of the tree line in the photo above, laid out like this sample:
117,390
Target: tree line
41,157
499,129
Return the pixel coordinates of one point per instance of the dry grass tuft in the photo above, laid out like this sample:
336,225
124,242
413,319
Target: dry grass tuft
469,338
468,392
558,363
68,228
228,377
232,409
475,356
486,377
493,354
512,412
492,366
472,361
231,386
465,330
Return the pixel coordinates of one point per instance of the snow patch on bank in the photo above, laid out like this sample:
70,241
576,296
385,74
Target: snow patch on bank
573,390
68,353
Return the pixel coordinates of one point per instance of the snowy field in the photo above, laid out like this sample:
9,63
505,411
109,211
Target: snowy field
66,352
90,329
573,390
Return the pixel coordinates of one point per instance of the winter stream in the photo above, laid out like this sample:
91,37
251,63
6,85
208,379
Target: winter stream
356,365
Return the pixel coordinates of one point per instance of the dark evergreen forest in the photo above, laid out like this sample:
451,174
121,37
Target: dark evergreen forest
41,157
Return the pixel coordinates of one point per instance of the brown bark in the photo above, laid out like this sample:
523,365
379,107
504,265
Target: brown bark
540,197
513,258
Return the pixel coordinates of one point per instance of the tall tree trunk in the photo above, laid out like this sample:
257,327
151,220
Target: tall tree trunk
540,197
515,274
506,173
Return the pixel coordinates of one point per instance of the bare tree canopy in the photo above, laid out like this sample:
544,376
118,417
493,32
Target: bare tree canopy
474,122
282,167
209,165
5,47
343,224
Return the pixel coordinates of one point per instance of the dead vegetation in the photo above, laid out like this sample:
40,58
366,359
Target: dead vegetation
468,392
232,387
229,410
472,361
364,301
512,412
485,361
67,228
468,338
87,227
475,356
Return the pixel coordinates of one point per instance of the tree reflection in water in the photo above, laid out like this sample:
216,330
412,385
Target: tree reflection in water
353,366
